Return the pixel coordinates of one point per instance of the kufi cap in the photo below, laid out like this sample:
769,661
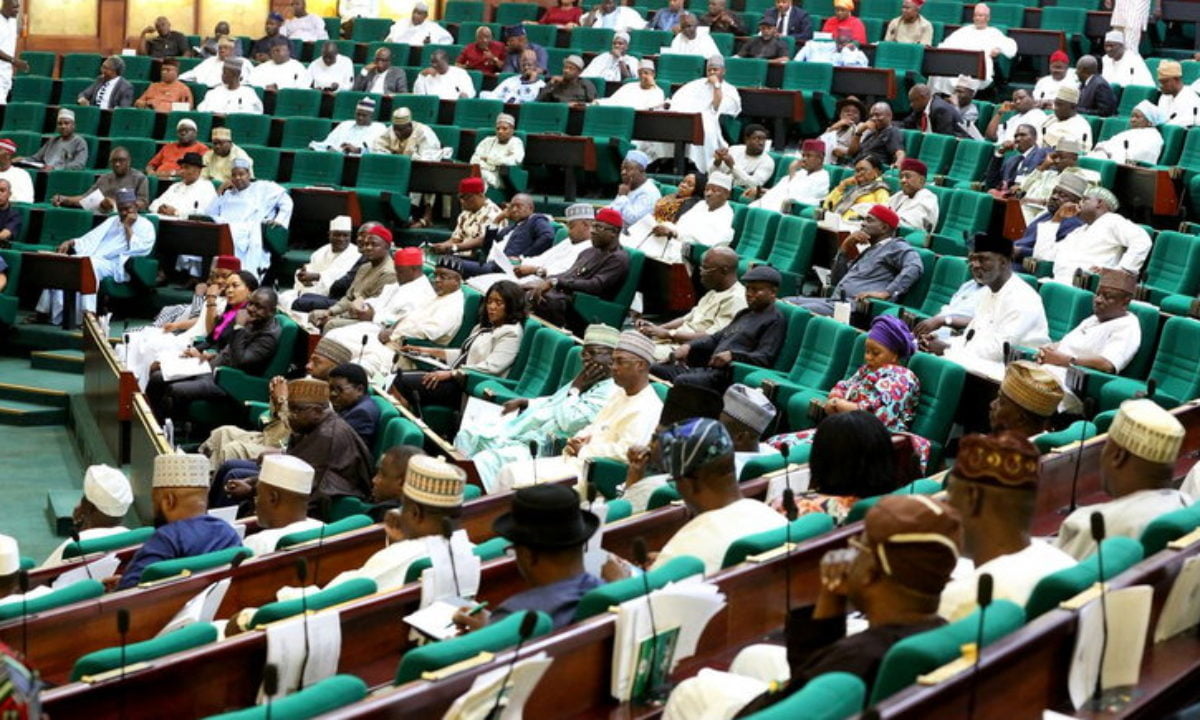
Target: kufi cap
333,350
915,539
690,401
749,406
1118,279
914,165
367,103
621,35
762,273
1114,36
308,390
1058,56
646,65
506,118
1073,183
108,489
511,31
8,146
287,472
65,113
1067,93
1032,387
715,61
692,443
639,157
993,243
181,470
886,215
186,122
126,196
845,4
409,257
1104,195
10,556
813,145
419,5
1169,69
381,232
434,482
637,344
575,60
1146,430
232,64
892,333
1150,111
221,133
402,114
721,180
580,211
192,158
1068,144
601,335
546,516
241,162
471,186
1006,460
966,81
453,263
609,216
228,262
341,223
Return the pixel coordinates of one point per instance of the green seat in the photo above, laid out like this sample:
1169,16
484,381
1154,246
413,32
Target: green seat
922,486
746,72
831,696
1070,20
311,167
542,117
75,592
941,386
516,13
1008,15
370,29
40,63
820,362
618,509
449,136
679,68
936,150
544,35
194,564
949,12
924,652
298,132
345,104
967,214
591,39
325,532
249,128
1075,432
477,112
132,122
594,309
494,638
8,296
62,224
31,89
1175,371
203,122
971,160
1164,529
317,699
80,65
464,11
487,550
650,42
759,228
1173,267
400,431
266,161
137,67
243,387
612,594
107,543
140,149
611,128
791,251
1120,553
186,638
539,375
1110,126
802,528
382,182
27,116
341,593
297,102
1132,95
1066,306
452,50
796,319
905,58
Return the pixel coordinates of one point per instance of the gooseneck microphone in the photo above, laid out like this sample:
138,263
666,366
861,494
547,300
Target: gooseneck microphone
528,624
1098,533
983,598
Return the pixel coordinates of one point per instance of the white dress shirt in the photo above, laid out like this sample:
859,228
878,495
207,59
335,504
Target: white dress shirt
340,73
455,83
1110,241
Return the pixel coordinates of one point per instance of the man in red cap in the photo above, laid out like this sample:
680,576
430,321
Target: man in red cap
370,281
478,213
910,26
10,218
19,181
1061,73
915,204
412,291
600,270
807,182
885,269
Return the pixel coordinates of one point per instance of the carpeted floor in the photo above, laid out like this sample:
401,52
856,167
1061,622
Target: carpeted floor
37,460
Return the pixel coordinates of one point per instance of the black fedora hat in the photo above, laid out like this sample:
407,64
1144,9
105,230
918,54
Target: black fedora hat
546,516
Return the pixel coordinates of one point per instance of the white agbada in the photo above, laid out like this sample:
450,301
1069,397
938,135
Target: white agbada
436,320
1136,145
1110,241
701,45
626,420
340,73
428,32
56,557
1014,576
608,66
697,97
1126,516
209,71
491,155
455,83
708,535
748,170
109,250
633,95
284,75
1076,127
264,541
970,37
1131,69
360,137
710,228
622,19
800,186
1007,129
555,261
9,30
185,199
221,100
919,211
329,265
310,28
1117,341
149,344
1182,108
245,211
348,9
1014,315
396,302
1131,16
18,179
1047,87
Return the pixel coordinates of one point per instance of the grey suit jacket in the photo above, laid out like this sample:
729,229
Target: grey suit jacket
122,93
394,82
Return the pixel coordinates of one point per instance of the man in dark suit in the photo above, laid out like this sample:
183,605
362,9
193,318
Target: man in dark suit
393,78
932,113
1014,168
1096,96
790,20
110,89
349,394
527,234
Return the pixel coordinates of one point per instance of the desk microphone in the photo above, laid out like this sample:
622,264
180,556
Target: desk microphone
270,685
1087,407
642,558
790,510
983,598
1098,532
363,349
302,575
123,630
448,532
533,456
1151,386
528,624
316,574
23,583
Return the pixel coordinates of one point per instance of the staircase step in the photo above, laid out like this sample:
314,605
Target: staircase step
15,412
32,395
60,510
66,360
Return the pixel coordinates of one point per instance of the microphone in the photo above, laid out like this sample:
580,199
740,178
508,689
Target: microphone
1098,532
533,455
169,432
790,511
528,623
448,532
591,489
642,558
270,685
123,630
302,575
23,583
983,599
1087,406
363,349
1151,386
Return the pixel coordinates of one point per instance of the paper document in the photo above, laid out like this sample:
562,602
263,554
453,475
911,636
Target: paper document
202,608
483,283
179,368
305,647
425,360
797,479
98,569
92,201
436,620
1128,619
1181,612
478,702
594,554
454,569
496,255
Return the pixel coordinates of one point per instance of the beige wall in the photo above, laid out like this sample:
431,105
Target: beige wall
63,17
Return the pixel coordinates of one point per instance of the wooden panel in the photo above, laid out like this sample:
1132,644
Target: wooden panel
63,17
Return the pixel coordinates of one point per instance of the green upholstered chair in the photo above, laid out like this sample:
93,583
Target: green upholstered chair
539,376
612,594
922,653
1120,553
802,528
495,637
345,104
791,251
611,128
127,122
591,39
814,81
197,563
797,319
243,386
297,102
400,431
40,63
967,213
108,543
1171,526
371,29
819,364
1175,371
650,42
203,122
477,112
1066,306
325,532
341,593
941,384
970,163
298,132
759,228
26,116
746,72
382,183
1075,432
618,509
923,486
832,696
80,65
323,697
594,309
266,161
1173,267
486,550
73,593
310,167
31,89
543,117
185,638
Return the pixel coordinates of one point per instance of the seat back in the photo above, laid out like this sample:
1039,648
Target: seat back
62,224
1069,20
185,638
317,168
345,104
922,486
968,211
971,159
916,292
377,171
949,12
477,112
679,68
464,11
936,150
336,595
80,65
901,57
544,364
495,637
606,122
831,696
649,42
486,550
612,594
808,76
517,13
194,564
758,230
798,530
746,72
792,248
27,116
591,39
1148,318
249,128
289,333
796,319
324,532
949,274
31,89
543,117
107,543
1166,528
1174,264
73,593
1066,306
317,699
140,149
424,107
941,387
369,29
1120,553
266,161
400,431
1175,368
471,302
823,354
298,132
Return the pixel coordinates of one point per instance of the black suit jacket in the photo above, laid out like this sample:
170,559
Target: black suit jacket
944,118
1019,164
122,93
799,24
394,82
1097,98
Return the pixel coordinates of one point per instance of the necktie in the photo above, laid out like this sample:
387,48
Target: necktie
782,23
102,96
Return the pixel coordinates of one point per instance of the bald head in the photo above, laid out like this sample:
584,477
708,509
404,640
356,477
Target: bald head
1087,66
718,269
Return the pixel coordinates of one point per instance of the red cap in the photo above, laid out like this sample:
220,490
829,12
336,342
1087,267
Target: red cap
918,3
409,257
611,217
886,215
471,186
226,262
813,145
380,231
8,146
914,165
1059,56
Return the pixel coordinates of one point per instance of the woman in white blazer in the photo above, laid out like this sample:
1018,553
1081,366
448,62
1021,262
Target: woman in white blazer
491,348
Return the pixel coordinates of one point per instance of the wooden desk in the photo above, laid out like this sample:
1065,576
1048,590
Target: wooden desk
69,273
438,177
313,208
109,387
866,83
1098,23
671,127
568,152
1148,191
946,61
190,237
1180,11
782,108
1038,43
